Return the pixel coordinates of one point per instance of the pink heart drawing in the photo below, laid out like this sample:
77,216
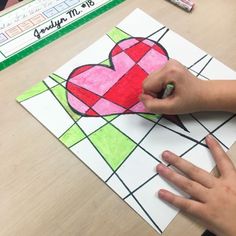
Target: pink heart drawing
101,90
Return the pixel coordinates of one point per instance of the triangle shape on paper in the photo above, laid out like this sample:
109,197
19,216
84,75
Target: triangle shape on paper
158,35
176,120
116,50
106,62
37,89
91,112
56,78
88,97
116,35
64,84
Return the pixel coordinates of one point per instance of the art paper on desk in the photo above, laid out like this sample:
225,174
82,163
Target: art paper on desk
91,105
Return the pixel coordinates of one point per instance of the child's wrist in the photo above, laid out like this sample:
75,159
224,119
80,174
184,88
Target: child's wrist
207,96
213,93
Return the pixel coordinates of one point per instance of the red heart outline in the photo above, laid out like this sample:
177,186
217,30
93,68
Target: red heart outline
83,94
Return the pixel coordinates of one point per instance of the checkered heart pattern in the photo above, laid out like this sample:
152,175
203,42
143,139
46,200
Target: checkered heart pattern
98,90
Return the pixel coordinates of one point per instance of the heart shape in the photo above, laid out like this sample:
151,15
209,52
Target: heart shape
101,90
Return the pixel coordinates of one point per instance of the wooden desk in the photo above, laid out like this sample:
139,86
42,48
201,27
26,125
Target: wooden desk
44,189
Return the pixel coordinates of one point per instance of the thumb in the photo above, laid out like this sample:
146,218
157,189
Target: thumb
153,84
155,105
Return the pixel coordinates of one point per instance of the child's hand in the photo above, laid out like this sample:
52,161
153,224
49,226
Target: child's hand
213,199
187,96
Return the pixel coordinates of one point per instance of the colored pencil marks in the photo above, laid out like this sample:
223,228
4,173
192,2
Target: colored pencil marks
103,90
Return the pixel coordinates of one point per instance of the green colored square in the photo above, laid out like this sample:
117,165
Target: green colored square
72,136
112,144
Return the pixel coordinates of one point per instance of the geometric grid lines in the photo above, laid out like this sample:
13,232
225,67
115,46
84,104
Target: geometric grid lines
124,149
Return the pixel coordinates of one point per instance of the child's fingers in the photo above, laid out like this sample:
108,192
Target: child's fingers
155,105
194,189
149,102
153,83
223,162
187,205
193,172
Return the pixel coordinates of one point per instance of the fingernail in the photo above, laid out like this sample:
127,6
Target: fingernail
210,137
160,167
166,155
160,193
